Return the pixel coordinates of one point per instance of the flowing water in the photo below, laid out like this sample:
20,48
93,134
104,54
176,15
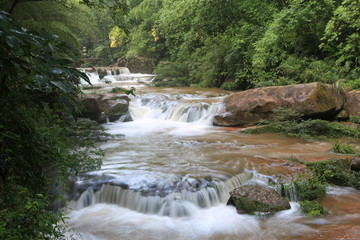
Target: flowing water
169,175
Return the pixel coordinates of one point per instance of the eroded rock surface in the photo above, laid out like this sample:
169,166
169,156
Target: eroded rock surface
352,104
315,100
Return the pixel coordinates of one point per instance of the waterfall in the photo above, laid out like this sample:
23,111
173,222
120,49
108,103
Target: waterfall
176,204
116,74
162,107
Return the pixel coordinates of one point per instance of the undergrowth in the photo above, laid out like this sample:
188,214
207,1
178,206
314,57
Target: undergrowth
290,123
335,172
324,173
343,147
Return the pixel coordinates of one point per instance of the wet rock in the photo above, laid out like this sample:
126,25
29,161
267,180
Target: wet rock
352,104
315,100
99,109
114,109
355,164
91,109
257,198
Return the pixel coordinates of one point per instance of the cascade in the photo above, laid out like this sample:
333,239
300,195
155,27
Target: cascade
119,74
162,107
175,204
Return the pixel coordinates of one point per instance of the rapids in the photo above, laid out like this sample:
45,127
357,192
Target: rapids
169,176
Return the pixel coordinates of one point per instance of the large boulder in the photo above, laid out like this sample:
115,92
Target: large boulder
315,100
115,108
257,198
352,104
100,108
90,108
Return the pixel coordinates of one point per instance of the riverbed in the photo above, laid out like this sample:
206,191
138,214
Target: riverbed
169,175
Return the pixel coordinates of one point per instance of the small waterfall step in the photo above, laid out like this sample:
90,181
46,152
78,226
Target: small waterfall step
175,204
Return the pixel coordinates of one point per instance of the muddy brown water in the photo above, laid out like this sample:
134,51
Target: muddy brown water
171,142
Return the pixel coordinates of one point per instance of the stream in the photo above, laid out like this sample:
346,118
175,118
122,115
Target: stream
170,174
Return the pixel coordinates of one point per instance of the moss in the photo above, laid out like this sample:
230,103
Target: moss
251,206
116,90
312,208
336,172
310,189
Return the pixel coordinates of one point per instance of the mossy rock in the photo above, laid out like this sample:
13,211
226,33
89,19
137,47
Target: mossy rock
255,198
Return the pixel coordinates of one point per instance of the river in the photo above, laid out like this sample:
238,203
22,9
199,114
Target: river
169,175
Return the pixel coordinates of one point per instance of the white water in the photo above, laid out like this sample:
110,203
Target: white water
123,75
170,175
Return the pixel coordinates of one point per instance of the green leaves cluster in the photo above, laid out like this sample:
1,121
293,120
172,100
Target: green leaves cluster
39,145
335,172
245,44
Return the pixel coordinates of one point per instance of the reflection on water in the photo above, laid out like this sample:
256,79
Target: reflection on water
171,158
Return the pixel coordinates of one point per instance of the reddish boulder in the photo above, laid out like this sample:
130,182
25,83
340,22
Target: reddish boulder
316,100
352,104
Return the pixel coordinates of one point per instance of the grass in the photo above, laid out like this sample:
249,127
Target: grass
289,123
344,147
335,172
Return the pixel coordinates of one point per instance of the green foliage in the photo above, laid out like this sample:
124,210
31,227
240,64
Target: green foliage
39,149
310,189
355,119
289,123
242,44
342,34
291,42
337,172
312,208
126,91
174,73
24,216
343,147
74,24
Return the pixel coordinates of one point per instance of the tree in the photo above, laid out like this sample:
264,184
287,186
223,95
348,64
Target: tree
38,149
342,34
292,39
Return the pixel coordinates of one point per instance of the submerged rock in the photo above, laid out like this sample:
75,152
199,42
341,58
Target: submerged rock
316,100
256,198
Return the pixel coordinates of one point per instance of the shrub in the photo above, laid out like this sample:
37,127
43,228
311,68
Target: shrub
288,122
337,172
312,208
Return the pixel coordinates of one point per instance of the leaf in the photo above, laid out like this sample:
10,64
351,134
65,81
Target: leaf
63,86
42,80
52,47
11,41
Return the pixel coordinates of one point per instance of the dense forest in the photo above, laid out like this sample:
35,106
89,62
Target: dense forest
232,44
